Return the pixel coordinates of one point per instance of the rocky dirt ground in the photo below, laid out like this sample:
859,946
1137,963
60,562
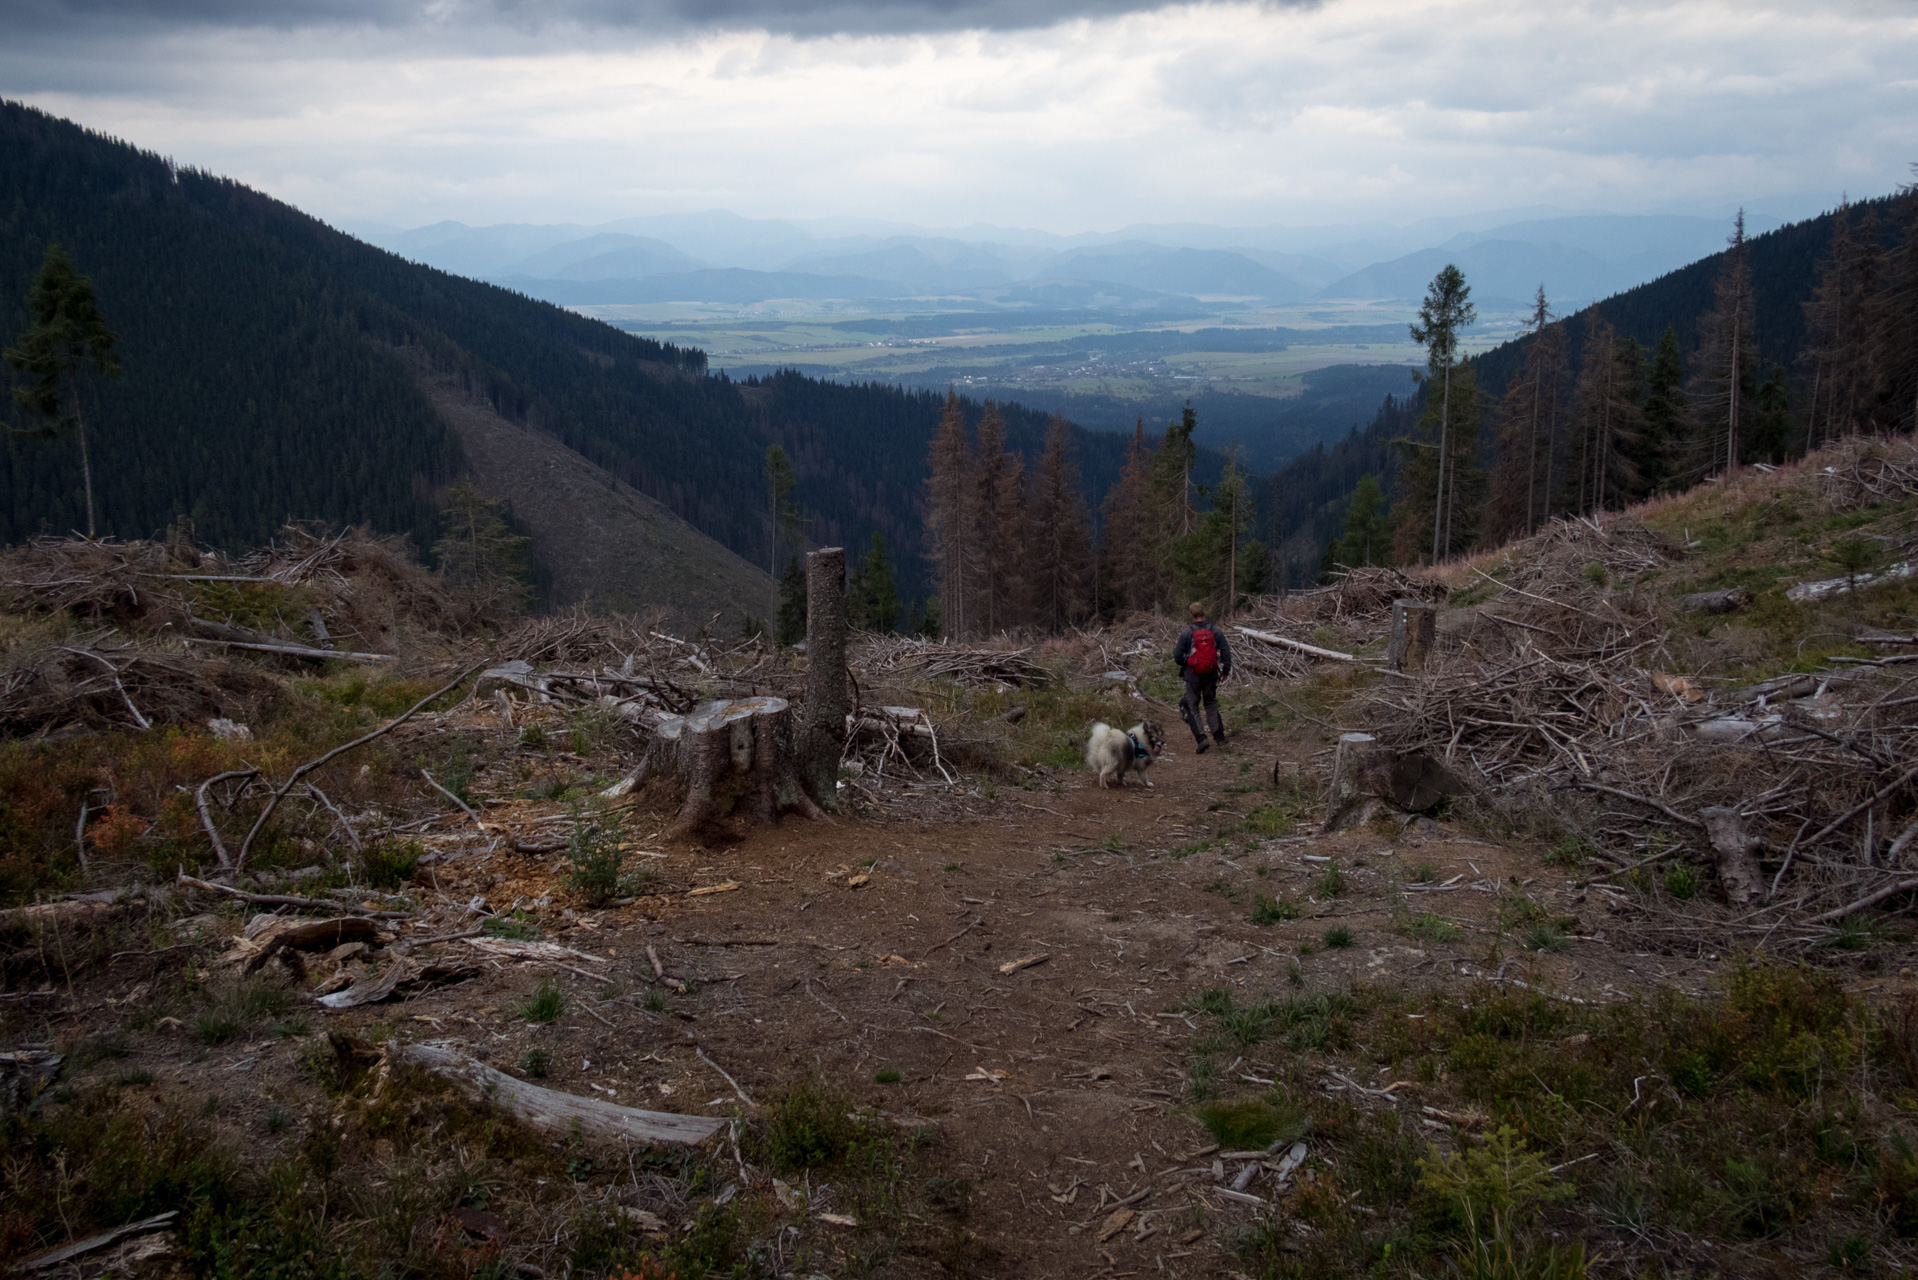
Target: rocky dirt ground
1020,971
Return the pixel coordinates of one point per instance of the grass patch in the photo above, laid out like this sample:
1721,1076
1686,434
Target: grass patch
886,1075
1267,911
1329,882
1428,926
1338,937
545,1004
808,1124
518,927
1254,1123
229,1011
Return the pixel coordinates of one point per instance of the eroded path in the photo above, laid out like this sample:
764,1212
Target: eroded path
1024,981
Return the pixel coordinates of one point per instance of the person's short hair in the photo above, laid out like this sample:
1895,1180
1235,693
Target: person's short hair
1198,609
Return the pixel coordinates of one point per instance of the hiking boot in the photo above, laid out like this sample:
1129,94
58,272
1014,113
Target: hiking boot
1219,738
1203,746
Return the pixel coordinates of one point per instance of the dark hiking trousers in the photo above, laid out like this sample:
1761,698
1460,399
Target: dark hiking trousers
1202,690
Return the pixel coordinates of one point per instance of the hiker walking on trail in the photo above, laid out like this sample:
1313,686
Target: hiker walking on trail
1204,659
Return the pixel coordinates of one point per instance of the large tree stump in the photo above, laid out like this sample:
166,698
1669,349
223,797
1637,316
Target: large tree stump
729,752
1368,779
822,732
1414,623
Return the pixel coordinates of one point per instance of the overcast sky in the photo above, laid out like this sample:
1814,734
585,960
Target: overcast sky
1068,115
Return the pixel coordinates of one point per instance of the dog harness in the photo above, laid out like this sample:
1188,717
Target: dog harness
1138,748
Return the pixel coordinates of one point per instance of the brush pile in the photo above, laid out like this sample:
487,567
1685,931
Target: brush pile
980,667
1556,693
1363,597
1870,471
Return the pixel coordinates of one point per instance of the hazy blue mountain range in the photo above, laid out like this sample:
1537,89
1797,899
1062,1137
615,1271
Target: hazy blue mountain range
697,258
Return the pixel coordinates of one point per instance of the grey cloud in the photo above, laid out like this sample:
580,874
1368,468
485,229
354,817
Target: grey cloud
782,17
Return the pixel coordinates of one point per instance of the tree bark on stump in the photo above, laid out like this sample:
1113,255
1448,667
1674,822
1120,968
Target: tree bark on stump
1737,853
1414,624
741,748
822,734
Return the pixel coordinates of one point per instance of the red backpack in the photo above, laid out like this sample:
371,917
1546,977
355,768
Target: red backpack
1204,658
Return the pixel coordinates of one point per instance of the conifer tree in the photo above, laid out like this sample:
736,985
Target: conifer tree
1772,419
1526,438
950,517
1447,309
1722,372
1420,479
67,334
1894,324
1219,560
1131,572
1605,419
873,601
1838,318
1060,554
782,515
479,552
1366,538
789,624
998,510
1662,447
1172,514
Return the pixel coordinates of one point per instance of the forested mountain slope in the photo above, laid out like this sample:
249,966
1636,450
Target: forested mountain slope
1784,269
261,380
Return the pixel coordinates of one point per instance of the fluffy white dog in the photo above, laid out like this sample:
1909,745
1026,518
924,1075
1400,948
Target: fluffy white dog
1111,752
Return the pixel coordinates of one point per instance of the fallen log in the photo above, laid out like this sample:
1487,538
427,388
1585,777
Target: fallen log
1286,642
549,1109
57,913
282,900
158,1222
402,975
311,935
294,650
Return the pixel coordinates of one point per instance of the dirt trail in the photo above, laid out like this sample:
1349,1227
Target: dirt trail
1058,1088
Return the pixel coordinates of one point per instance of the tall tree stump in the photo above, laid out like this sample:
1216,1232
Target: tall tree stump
731,752
822,731
1414,624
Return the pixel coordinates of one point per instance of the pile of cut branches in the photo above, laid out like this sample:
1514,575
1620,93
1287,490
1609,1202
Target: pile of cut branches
1557,693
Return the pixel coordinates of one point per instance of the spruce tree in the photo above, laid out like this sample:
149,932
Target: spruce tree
1662,445
1133,580
1219,560
1605,425
1772,426
479,553
1893,326
1059,557
998,507
1172,513
1447,309
949,517
782,516
1366,538
67,334
1526,440
877,597
1722,372
1421,479
789,624
1838,318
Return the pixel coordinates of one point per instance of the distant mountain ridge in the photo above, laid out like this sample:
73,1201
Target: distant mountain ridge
1579,257
276,368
